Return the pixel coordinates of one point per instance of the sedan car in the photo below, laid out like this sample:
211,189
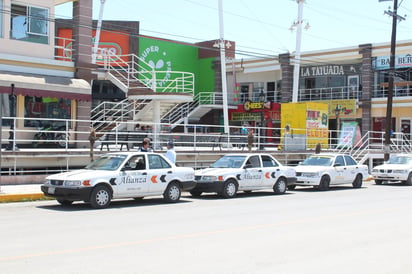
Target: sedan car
121,175
322,170
245,172
397,169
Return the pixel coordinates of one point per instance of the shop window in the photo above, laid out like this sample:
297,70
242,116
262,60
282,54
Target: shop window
6,108
29,23
45,107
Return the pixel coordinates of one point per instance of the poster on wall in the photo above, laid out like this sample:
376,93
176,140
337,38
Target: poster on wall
348,134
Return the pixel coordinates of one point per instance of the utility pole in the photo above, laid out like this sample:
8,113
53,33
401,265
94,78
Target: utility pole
97,36
223,70
296,67
388,126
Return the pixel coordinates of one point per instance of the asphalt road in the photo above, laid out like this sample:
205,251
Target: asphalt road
343,230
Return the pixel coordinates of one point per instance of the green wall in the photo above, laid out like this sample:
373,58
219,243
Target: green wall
170,55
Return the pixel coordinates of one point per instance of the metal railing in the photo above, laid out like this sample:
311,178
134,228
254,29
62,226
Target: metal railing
71,140
134,73
179,112
63,48
330,93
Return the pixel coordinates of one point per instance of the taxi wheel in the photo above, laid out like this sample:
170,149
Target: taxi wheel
324,183
408,182
229,189
357,183
64,202
100,197
172,193
280,186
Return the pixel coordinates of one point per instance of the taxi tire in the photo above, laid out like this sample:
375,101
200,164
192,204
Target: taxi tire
408,181
324,183
280,186
357,183
64,202
229,189
100,197
172,193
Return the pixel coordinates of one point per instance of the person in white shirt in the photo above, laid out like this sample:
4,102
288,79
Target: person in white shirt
171,153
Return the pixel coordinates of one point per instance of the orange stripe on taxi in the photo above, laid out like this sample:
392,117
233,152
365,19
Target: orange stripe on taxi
154,179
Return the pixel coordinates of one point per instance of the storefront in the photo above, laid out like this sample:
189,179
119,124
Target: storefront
401,112
258,114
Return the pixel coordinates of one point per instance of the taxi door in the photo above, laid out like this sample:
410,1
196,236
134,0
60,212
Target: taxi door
133,179
340,171
158,173
252,173
271,170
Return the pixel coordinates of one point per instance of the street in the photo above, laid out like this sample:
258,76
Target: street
343,230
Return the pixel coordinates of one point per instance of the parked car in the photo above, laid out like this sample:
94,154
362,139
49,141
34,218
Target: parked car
243,172
397,169
121,175
323,170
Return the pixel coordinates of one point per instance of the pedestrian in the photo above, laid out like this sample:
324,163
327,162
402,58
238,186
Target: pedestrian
145,147
171,153
250,139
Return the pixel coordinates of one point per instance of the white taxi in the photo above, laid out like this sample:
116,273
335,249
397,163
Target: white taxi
322,170
397,168
243,172
121,175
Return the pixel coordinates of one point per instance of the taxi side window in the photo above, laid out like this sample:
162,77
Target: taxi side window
253,161
268,162
136,163
157,162
339,160
349,161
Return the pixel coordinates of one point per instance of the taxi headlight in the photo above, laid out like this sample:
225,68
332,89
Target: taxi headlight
375,170
72,183
401,171
209,178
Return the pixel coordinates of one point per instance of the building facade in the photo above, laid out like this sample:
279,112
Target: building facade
352,81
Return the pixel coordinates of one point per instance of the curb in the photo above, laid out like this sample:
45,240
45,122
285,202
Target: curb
5,198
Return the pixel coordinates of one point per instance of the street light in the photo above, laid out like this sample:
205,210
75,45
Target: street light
337,113
11,145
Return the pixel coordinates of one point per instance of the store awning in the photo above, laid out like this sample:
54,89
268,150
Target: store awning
45,86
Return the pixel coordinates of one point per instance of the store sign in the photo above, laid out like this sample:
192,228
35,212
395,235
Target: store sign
328,70
401,61
110,43
345,107
247,116
249,105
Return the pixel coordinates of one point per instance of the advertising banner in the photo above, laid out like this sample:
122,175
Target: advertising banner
304,125
347,134
110,43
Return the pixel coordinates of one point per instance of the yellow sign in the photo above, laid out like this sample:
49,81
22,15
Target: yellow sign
344,107
307,122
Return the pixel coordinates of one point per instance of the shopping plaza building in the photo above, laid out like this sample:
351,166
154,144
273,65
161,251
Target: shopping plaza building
46,72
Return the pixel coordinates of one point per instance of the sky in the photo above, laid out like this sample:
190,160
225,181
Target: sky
261,27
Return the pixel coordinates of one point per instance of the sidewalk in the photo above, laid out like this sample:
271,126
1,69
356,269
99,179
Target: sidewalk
19,193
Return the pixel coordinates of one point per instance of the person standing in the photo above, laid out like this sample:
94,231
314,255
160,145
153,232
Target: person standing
171,153
250,139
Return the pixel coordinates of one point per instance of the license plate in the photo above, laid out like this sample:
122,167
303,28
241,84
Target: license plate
51,190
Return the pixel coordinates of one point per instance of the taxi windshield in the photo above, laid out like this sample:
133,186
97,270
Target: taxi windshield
229,162
400,160
107,162
318,161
